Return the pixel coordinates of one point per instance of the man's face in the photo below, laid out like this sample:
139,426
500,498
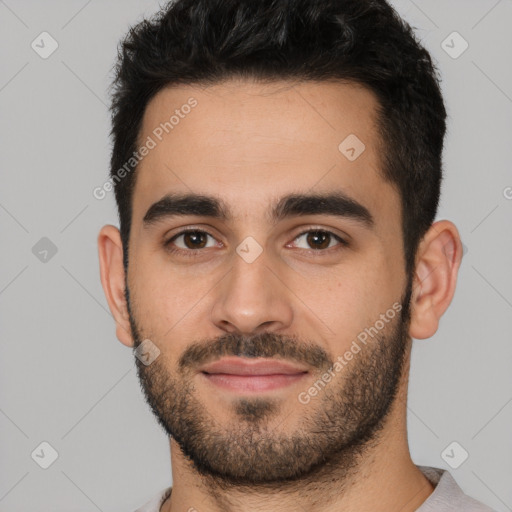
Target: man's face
267,282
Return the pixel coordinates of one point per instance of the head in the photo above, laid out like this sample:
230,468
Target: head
359,42
300,144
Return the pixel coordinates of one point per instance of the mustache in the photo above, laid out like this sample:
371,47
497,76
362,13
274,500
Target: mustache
268,345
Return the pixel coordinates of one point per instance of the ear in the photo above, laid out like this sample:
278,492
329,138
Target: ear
437,264
110,250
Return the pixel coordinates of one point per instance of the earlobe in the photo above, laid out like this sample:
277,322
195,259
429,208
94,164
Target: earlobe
110,252
437,264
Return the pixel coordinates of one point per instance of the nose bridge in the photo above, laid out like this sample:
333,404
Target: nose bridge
251,298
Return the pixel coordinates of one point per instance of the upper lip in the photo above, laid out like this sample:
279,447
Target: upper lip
242,366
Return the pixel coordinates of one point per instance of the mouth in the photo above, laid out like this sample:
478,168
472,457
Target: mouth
252,375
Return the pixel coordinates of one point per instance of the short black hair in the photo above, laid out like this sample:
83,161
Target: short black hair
360,41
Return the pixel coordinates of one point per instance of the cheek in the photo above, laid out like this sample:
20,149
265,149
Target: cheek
161,294
174,302
345,305
351,299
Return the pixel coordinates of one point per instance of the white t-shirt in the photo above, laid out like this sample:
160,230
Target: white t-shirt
447,496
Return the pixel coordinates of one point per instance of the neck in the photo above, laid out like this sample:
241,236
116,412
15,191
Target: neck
382,478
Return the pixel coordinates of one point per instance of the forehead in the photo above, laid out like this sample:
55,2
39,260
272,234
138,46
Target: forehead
247,142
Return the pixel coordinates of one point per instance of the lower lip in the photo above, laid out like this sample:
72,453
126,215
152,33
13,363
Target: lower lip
252,382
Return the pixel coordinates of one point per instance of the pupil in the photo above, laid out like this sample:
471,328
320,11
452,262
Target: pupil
314,235
194,235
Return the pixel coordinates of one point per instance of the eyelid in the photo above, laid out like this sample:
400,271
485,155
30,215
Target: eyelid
186,229
331,231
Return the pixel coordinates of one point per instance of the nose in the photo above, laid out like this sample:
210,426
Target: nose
252,297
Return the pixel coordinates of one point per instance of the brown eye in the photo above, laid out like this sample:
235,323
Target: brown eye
319,240
195,239
191,240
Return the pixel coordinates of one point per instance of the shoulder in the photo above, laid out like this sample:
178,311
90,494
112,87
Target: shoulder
447,495
154,504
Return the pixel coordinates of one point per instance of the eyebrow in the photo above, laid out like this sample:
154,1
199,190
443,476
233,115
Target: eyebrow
337,204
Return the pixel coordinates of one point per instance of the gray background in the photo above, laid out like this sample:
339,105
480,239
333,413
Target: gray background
64,377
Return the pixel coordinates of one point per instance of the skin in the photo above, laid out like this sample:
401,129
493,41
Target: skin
250,144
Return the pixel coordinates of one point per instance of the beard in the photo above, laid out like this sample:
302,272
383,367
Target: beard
336,429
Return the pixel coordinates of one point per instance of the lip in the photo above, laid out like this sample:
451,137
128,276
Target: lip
252,367
252,375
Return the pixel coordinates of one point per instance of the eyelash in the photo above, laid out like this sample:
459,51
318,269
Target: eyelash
195,252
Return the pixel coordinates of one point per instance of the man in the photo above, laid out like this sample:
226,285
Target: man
277,169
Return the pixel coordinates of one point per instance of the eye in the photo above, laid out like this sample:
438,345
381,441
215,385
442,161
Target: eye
320,240
192,240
